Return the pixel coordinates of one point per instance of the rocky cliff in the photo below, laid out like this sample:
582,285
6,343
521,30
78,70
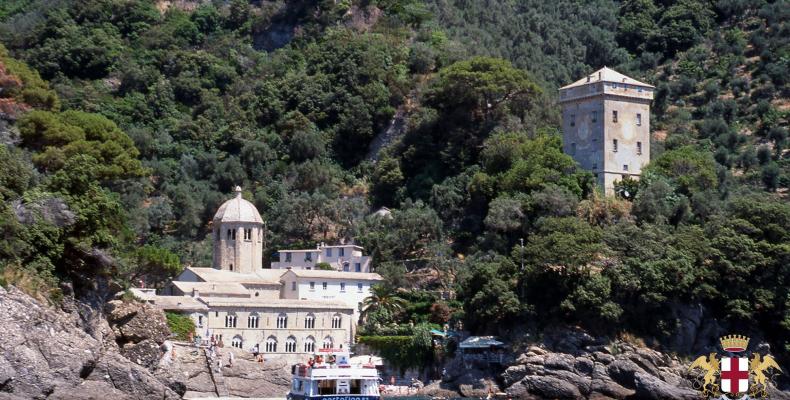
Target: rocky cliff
47,353
575,365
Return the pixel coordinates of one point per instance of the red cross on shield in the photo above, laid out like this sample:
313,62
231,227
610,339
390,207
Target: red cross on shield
734,374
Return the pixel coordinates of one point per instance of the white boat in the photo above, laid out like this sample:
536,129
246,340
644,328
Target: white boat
330,375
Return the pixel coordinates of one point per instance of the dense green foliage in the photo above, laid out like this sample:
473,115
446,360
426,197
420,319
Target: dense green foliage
158,114
180,325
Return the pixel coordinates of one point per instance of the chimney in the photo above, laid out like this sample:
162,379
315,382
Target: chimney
195,293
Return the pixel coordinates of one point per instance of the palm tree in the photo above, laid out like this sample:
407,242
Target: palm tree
382,297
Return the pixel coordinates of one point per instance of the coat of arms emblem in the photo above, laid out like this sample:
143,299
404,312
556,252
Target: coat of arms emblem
735,376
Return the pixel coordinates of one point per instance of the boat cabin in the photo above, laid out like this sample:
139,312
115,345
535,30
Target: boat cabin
331,375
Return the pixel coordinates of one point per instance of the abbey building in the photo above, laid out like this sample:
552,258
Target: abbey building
606,125
308,300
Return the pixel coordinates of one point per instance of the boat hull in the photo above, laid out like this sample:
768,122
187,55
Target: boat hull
292,396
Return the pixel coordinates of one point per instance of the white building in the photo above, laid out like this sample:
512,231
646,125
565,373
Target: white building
346,258
245,305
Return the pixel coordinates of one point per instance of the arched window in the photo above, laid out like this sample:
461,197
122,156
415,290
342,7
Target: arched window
282,321
290,345
271,344
230,321
309,345
237,342
253,320
337,321
327,344
309,321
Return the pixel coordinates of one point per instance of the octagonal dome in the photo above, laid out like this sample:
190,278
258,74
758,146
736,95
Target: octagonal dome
237,210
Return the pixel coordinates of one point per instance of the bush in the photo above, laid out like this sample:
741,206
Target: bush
180,325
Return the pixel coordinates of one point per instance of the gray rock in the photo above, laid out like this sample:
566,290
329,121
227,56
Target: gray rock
650,387
559,361
44,352
583,365
551,387
623,372
514,374
146,353
134,322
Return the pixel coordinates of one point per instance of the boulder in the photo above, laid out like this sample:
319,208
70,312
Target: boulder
134,322
146,353
551,388
45,353
650,387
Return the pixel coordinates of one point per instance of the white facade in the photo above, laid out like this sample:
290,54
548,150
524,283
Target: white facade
347,258
351,288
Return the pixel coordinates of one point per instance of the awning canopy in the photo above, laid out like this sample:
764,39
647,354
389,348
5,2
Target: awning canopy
480,342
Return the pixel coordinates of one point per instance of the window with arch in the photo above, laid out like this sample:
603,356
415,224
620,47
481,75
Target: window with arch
237,342
309,345
230,321
337,321
290,345
247,233
327,344
231,234
282,321
309,321
271,344
253,320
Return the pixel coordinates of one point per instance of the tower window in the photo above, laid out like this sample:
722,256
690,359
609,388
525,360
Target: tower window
247,233
287,257
639,148
231,234
573,148
573,119
625,167
614,145
614,116
595,116
638,119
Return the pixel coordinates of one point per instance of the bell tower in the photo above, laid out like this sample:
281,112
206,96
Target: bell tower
238,236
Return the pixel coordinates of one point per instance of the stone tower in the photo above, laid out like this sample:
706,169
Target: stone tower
238,236
606,125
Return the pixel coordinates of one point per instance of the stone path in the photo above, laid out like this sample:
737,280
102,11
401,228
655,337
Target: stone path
219,380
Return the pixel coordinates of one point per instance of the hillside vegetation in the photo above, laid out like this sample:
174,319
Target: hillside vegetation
131,122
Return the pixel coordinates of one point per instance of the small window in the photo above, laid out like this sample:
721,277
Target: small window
573,148
359,287
252,321
614,116
639,148
357,267
287,257
625,167
595,116
216,314
230,321
573,119
309,321
345,266
231,267
200,320
293,285
639,89
638,119
329,252
614,86
308,256
595,166
290,345
282,321
336,322
343,287
614,145
247,233
312,285
237,342
271,344
328,342
341,252
309,345
324,285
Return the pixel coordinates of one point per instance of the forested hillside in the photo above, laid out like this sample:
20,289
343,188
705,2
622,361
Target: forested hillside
127,123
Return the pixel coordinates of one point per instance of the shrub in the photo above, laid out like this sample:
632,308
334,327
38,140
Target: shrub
180,325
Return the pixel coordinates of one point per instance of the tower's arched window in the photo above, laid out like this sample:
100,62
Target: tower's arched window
309,321
282,321
271,344
290,345
337,321
328,342
253,320
230,321
237,342
309,344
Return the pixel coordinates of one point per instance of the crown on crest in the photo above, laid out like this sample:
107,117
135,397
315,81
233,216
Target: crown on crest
734,343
